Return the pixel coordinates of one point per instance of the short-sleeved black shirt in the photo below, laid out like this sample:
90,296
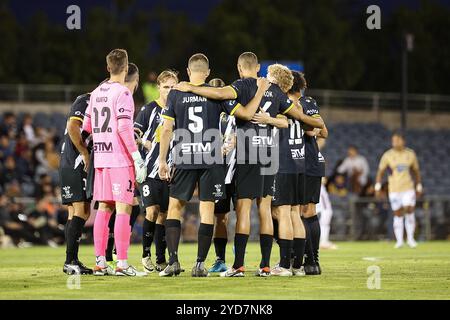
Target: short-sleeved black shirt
315,162
292,148
149,122
197,140
274,102
70,157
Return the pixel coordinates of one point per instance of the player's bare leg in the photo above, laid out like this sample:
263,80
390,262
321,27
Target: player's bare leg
398,224
299,234
205,234
265,234
148,231
243,209
173,233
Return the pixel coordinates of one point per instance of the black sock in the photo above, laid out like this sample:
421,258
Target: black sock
77,244
309,257
66,229
205,234
275,229
73,235
299,252
110,246
160,243
173,232
314,228
220,244
148,230
285,253
135,211
265,242
240,243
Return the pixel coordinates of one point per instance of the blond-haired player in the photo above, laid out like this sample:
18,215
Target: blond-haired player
401,162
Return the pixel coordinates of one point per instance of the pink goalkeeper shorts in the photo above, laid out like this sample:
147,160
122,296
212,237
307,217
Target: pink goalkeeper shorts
114,184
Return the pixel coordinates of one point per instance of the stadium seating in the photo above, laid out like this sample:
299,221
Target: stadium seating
373,139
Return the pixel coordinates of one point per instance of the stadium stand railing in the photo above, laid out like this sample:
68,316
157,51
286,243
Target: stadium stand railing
325,97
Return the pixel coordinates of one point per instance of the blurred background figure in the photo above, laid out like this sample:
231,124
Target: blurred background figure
150,87
325,212
356,167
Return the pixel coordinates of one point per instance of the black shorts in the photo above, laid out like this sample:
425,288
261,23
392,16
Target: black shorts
289,189
224,206
312,189
250,183
73,185
211,183
155,192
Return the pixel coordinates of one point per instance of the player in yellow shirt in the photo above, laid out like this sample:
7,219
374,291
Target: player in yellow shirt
402,165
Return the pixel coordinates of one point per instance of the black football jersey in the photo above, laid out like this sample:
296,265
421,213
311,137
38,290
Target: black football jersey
197,139
315,162
258,138
149,122
292,148
70,157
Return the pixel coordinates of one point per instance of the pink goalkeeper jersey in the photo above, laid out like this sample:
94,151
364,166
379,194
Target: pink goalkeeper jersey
109,103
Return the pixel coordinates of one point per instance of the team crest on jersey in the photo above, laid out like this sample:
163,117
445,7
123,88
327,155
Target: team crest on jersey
218,193
67,194
116,189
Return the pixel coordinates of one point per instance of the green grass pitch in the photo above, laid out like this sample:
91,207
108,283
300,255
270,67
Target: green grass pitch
421,273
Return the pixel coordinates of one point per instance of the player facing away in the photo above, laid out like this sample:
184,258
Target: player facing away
198,158
132,83
289,185
251,183
401,162
315,170
74,164
154,191
117,162
223,207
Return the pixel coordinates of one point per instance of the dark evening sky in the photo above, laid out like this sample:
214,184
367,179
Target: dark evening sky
197,10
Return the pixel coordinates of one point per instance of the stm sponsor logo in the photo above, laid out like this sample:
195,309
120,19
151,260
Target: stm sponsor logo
189,148
262,141
297,154
103,147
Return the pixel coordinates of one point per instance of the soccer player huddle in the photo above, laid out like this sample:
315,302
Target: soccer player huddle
252,140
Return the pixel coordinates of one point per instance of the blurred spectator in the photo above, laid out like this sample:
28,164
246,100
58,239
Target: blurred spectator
356,167
15,225
28,129
9,125
150,88
44,221
338,186
6,147
45,186
47,159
